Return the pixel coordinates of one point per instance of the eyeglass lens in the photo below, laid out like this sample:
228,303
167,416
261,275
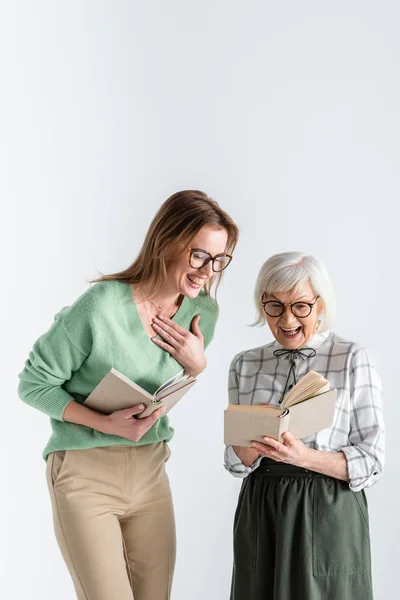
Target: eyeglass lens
276,309
198,259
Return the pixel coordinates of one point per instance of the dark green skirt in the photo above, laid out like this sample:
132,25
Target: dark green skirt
299,535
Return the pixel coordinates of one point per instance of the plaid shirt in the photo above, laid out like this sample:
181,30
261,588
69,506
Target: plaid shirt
258,375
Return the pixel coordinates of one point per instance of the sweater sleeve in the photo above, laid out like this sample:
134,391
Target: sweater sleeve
232,462
52,361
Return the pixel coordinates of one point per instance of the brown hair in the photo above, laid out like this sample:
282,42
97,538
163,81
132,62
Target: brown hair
177,221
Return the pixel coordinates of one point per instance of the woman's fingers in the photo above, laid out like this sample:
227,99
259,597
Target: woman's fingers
164,346
124,424
147,422
271,449
289,438
158,413
187,348
274,443
177,331
171,336
127,413
260,447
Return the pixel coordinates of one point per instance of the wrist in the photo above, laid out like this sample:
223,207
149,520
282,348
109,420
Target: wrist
104,424
307,461
197,370
250,458
194,373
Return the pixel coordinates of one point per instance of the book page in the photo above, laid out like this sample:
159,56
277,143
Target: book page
305,388
171,389
324,389
181,376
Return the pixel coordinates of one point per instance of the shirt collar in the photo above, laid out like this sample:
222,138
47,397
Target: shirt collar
316,341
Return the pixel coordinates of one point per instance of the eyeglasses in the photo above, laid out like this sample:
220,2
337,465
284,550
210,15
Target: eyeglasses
199,258
301,310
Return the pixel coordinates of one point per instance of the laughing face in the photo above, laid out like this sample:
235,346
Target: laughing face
184,278
290,331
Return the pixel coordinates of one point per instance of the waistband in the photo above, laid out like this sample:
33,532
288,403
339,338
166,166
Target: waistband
271,468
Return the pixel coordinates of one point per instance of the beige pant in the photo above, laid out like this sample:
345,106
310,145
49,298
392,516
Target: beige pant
114,520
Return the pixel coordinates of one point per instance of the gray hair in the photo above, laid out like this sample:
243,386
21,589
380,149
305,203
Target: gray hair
291,270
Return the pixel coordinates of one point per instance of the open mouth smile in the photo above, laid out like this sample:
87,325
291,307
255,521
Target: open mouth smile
196,281
291,332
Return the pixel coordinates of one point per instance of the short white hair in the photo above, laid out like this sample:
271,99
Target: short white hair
291,270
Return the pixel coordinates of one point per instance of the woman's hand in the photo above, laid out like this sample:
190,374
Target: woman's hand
124,424
292,451
186,347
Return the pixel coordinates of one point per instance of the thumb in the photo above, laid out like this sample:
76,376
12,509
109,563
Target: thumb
289,439
127,413
195,326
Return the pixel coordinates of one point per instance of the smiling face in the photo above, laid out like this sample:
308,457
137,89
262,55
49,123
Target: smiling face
183,278
288,330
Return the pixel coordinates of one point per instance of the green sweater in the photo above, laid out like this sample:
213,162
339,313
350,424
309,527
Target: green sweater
101,330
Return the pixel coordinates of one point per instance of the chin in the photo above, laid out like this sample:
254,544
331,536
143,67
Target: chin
291,344
186,289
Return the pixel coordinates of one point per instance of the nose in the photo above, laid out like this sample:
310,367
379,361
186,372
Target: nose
288,319
207,269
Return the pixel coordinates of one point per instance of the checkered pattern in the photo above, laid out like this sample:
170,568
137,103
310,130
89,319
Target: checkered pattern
358,431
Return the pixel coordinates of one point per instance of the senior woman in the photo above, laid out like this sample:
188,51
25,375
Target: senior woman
301,525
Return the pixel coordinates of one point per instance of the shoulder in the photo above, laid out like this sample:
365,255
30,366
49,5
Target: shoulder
207,307
253,357
95,300
356,353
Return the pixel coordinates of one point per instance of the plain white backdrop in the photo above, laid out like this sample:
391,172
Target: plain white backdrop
287,113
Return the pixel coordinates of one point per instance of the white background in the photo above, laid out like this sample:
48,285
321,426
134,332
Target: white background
287,113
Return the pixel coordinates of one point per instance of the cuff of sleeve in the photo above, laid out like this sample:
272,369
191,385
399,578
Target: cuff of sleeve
358,482
234,465
51,401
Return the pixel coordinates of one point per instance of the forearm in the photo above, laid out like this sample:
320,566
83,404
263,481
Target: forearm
246,455
333,464
82,415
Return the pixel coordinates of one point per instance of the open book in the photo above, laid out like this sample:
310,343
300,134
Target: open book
115,392
307,408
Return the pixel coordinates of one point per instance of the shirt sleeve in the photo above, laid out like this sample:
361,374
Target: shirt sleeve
232,462
365,453
52,361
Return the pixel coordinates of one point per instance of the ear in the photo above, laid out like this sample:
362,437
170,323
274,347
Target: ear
320,310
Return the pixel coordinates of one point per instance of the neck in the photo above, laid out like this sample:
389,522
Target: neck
308,344
164,298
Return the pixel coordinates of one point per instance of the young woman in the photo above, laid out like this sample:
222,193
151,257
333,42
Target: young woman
111,499
301,526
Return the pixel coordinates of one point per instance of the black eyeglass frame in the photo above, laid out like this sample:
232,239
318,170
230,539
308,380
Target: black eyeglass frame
310,304
210,258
